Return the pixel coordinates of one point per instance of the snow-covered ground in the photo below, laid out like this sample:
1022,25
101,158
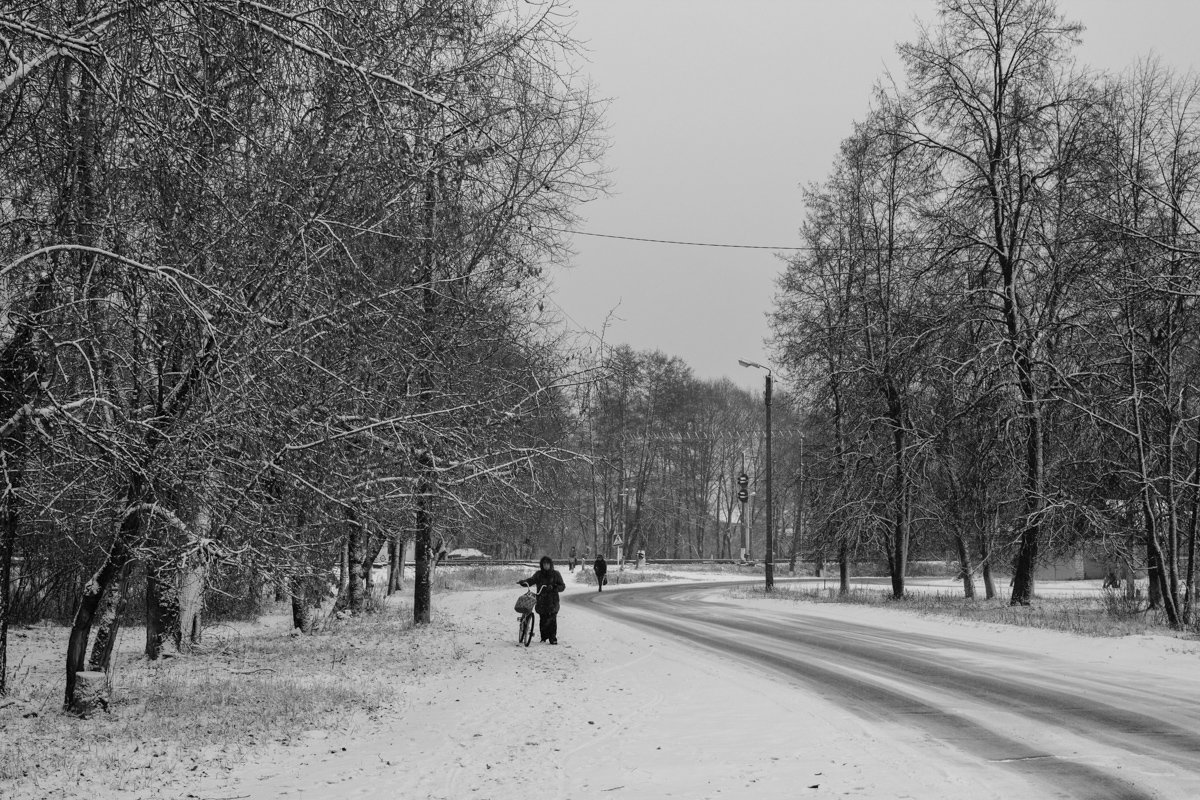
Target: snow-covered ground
609,712
616,712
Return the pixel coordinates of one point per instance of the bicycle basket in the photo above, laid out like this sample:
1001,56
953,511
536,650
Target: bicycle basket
526,602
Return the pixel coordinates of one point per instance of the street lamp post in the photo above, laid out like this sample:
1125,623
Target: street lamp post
620,542
769,557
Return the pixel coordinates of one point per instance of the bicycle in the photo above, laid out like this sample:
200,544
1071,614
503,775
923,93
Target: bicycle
525,606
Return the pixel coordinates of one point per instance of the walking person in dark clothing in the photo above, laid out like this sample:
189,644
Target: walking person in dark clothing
547,600
601,570
571,568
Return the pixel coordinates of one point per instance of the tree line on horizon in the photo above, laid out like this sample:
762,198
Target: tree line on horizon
994,322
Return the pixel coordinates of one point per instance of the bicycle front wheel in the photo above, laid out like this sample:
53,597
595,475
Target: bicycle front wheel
525,635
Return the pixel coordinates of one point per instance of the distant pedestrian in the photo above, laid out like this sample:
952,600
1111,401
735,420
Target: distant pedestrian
572,562
550,581
600,567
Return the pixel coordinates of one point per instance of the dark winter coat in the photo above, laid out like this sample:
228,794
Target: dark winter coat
600,567
547,599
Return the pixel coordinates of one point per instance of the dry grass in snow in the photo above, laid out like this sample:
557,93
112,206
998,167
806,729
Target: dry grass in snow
628,577
1106,613
180,718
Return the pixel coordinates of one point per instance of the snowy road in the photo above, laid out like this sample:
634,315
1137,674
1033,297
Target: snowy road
1077,727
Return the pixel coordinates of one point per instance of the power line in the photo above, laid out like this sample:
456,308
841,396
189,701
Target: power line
799,248
677,241
861,248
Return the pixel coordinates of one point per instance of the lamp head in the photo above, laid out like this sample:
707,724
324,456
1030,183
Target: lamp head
754,364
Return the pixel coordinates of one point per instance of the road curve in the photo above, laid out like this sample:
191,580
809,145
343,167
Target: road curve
1078,733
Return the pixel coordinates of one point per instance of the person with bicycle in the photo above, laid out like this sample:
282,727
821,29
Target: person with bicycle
549,582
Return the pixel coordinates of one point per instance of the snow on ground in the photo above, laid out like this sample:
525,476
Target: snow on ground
615,712
609,712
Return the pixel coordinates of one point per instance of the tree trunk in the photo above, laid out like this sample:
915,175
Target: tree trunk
9,522
8,538
1026,562
367,565
1153,590
843,569
192,580
1189,591
344,569
423,543
1156,571
93,594
162,607
355,548
1023,567
900,522
985,554
900,553
989,583
394,566
301,619
1160,588
302,614
964,566
1158,580
304,603
193,573
108,624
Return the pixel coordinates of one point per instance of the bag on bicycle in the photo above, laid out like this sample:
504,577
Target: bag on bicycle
525,603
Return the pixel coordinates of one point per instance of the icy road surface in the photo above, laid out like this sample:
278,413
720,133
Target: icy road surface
1080,730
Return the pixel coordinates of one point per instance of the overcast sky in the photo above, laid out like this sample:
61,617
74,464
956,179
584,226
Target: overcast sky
719,112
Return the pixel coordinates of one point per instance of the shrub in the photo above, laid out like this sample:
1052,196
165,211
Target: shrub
478,576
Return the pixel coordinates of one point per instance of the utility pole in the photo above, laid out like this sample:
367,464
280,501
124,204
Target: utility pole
769,556
798,522
620,540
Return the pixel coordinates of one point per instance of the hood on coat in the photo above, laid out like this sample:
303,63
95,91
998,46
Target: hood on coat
546,563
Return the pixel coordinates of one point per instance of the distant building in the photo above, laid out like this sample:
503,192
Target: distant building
1076,566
